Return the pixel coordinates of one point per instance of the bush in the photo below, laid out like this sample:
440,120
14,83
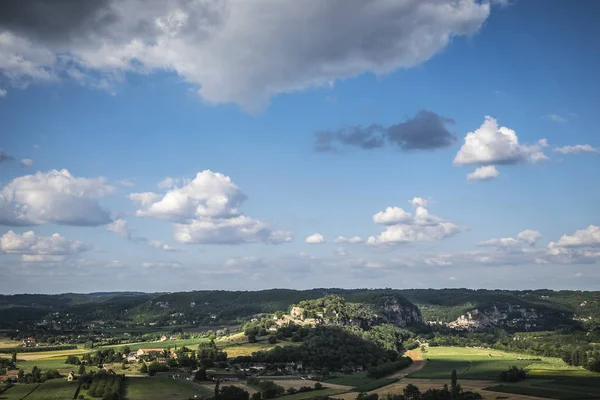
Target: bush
388,368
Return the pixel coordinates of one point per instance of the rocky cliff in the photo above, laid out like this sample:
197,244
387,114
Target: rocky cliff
504,315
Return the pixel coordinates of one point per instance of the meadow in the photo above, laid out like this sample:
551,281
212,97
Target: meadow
18,392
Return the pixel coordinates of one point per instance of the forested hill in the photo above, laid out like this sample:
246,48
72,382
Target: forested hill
553,308
229,307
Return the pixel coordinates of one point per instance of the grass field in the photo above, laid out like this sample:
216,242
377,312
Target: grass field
55,389
57,363
161,388
375,384
355,379
192,343
17,392
7,343
246,349
548,390
547,377
310,395
487,364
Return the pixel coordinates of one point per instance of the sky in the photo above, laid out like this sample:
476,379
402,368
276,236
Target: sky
244,145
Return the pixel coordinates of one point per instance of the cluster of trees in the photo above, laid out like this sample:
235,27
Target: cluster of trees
97,358
513,374
412,392
103,384
209,354
385,369
7,364
330,347
36,375
584,357
267,389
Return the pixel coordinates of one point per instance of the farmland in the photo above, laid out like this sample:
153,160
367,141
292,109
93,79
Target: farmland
162,388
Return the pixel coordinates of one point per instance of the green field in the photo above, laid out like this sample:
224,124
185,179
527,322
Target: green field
355,379
57,363
311,394
55,389
17,392
547,377
161,388
375,384
548,388
473,363
151,345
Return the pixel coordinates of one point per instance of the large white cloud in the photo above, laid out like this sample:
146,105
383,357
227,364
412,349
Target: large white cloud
233,50
33,248
54,197
491,144
588,237
206,210
404,227
209,194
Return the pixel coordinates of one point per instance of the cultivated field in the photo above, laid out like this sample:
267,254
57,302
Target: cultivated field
161,389
487,364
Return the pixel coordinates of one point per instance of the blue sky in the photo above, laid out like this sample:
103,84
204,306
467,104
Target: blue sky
242,91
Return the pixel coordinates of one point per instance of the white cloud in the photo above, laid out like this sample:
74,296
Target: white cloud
207,210
316,238
238,51
209,194
527,236
26,163
543,142
492,145
556,118
157,244
576,149
403,227
484,173
419,201
120,227
235,230
353,239
54,197
502,242
2,92
589,237
168,183
392,216
33,248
